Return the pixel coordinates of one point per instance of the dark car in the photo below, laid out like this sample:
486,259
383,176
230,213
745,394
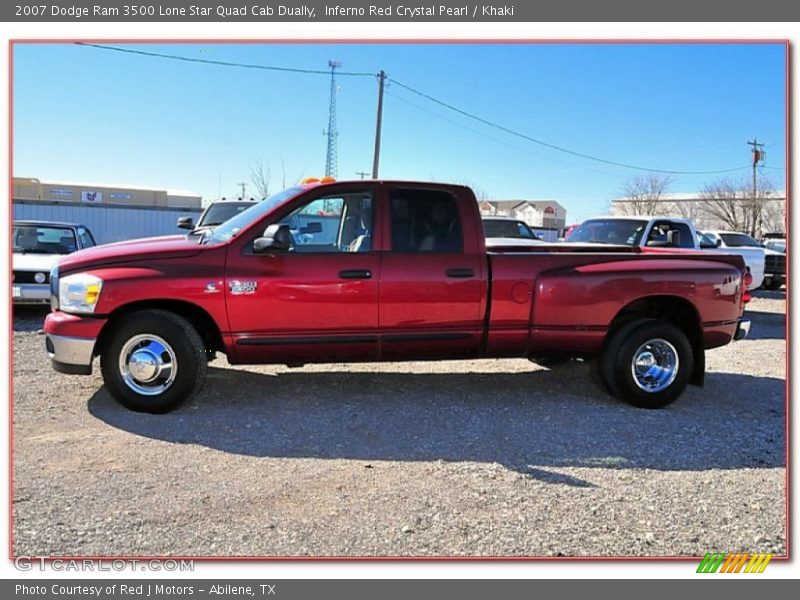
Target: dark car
507,228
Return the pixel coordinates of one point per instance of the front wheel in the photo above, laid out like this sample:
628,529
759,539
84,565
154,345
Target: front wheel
647,363
154,362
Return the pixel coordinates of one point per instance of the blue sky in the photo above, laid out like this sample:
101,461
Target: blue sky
86,114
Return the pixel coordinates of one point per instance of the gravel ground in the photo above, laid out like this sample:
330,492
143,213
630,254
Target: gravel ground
476,458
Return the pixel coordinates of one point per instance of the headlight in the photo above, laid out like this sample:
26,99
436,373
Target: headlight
79,293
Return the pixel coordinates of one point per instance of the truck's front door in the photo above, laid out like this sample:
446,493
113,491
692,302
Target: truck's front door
318,302
432,277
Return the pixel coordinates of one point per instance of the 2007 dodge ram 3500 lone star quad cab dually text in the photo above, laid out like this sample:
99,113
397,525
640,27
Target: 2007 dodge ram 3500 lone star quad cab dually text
384,271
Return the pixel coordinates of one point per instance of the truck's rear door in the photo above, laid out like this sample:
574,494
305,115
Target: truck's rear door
433,278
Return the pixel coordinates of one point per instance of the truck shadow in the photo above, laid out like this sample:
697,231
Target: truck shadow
526,421
766,325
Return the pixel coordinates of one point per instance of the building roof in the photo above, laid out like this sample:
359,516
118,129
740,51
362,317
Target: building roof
538,204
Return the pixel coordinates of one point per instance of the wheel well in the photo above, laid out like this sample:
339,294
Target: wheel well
203,322
675,310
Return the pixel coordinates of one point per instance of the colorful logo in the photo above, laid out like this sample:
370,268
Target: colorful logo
734,563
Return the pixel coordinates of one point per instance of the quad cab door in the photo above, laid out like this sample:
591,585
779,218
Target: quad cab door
319,301
432,276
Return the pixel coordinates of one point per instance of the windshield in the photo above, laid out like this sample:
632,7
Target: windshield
608,231
735,240
497,228
42,239
220,212
234,225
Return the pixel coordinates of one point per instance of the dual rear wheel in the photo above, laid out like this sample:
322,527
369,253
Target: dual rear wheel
647,363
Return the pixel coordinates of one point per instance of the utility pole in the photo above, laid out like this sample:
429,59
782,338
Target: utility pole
758,157
244,187
378,123
362,174
331,157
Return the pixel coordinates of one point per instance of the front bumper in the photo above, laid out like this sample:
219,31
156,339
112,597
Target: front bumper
69,354
30,293
742,330
70,341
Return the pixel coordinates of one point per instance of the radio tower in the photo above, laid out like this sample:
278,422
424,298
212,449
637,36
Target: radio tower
331,158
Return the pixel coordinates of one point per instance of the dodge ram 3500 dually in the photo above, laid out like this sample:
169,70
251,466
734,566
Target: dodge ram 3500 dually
384,271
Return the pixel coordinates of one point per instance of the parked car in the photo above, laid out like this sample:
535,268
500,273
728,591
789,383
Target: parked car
397,271
507,231
37,246
215,214
774,260
653,233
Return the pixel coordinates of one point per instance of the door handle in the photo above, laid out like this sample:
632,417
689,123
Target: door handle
355,274
460,273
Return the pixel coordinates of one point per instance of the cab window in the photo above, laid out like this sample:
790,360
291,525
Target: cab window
668,234
338,223
425,221
85,237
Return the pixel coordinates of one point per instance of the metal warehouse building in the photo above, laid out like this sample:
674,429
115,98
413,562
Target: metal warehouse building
113,213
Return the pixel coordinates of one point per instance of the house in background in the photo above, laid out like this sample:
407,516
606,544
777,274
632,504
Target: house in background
547,214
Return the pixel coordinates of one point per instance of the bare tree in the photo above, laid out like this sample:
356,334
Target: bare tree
261,176
733,206
643,193
773,215
480,194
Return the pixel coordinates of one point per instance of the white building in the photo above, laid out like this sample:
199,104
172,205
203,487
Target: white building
699,210
536,213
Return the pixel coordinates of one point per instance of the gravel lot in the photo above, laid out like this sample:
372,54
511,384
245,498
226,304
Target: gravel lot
489,458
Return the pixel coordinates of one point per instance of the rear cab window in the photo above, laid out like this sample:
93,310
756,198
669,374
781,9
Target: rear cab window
425,221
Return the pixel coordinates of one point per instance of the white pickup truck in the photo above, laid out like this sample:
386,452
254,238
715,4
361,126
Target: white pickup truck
662,232
733,241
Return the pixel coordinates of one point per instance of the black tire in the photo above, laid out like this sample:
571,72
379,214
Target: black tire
616,362
183,343
550,360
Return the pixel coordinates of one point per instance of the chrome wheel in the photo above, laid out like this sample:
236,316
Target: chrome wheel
147,364
655,365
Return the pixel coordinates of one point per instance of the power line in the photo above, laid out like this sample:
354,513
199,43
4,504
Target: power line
221,63
554,146
428,97
569,166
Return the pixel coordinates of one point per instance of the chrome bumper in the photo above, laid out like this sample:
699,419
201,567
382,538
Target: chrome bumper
742,330
70,355
30,293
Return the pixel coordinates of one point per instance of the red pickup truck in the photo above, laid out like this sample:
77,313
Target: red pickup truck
384,271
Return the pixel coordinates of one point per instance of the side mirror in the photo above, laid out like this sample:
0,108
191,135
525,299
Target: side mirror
717,243
185,223
674,238
277,239
312,227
